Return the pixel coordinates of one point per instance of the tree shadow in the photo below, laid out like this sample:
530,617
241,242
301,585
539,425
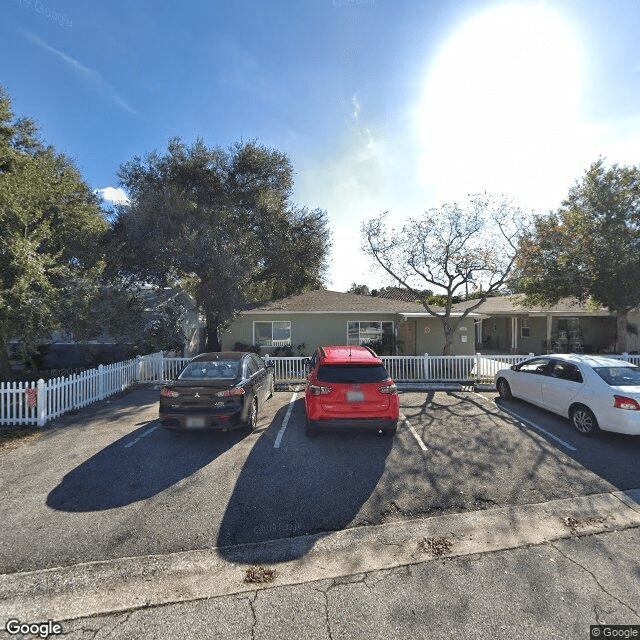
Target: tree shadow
138,466
283,496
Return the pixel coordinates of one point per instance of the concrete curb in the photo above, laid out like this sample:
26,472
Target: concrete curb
122,584
407,386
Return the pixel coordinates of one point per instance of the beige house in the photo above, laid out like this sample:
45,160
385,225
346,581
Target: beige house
505,325
320,318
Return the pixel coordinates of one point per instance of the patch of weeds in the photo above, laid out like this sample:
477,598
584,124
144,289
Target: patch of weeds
260,574
435,546
574,524
12,437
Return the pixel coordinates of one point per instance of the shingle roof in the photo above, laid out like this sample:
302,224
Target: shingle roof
503,305
322,300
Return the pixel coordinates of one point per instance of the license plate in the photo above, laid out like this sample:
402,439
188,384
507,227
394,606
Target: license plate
355,396
195,423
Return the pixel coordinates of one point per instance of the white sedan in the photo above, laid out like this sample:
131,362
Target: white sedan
594,392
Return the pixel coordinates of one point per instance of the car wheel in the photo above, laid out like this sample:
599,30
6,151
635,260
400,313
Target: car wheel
390,431
252,418
310,429
273,387
583,420
504,389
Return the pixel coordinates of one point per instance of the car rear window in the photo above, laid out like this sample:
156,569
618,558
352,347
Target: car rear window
356,373
619,376
218,370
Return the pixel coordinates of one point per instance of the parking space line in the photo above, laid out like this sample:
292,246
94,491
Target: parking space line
414,432
146,433
285,422
527,423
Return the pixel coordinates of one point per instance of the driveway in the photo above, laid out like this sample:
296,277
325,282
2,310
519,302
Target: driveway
109,482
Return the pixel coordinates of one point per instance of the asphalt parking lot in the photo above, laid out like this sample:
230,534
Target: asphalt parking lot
109,482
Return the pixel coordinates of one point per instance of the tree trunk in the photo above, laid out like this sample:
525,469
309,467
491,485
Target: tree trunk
6,373
449,332
211,333
622,337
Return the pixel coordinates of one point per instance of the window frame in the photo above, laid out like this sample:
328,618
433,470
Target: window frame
271,341
524,324
360,340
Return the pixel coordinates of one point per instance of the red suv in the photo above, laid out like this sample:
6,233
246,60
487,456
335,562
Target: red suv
350,387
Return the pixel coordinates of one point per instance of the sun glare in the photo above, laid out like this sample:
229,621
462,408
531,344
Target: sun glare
501,108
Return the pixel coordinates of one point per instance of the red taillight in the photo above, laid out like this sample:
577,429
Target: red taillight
169,393
620,402
319,391
389,389
233,393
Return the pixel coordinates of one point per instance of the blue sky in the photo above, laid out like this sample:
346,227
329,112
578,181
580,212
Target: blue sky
381,105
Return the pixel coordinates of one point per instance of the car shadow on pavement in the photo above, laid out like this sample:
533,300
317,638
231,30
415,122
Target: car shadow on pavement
308,486
138,466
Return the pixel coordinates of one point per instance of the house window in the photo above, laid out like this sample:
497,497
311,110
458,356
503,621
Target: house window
272,334
525,330
366,332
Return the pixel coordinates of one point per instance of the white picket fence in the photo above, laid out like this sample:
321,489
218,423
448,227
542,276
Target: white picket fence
23,403
424,368
38,402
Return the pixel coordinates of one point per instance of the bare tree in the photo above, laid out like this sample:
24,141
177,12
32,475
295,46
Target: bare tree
447,248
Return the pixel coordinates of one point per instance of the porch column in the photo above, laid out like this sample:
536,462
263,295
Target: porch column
478,326
514,334
549,321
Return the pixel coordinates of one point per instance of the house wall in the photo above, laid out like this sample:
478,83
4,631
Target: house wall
317,329
430,337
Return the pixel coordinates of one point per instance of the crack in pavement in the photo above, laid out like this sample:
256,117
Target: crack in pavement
252,602
595,579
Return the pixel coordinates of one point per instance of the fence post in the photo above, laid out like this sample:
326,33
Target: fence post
100,382
625,356
531,354
41,403
425,367
138,370
478,362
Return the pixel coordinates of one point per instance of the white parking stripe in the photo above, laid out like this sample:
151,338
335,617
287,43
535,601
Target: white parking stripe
285,422
146,433
527,423
414,432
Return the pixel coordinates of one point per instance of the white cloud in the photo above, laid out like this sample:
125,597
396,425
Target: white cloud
113,195
356,107
92,76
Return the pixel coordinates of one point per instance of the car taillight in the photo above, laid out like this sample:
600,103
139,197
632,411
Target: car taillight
169,393
319,391
233,393
620,402
389,389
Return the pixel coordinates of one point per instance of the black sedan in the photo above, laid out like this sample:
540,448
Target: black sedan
217,391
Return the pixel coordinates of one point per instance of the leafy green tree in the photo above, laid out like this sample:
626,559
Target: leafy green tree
448,248
220,224
360,289
51,225
590,247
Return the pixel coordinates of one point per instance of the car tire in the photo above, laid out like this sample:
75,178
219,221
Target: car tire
583,420
390,431
252,418
504,390
310,429
272,388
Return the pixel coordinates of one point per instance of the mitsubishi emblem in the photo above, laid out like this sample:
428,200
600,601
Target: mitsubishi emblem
197,395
